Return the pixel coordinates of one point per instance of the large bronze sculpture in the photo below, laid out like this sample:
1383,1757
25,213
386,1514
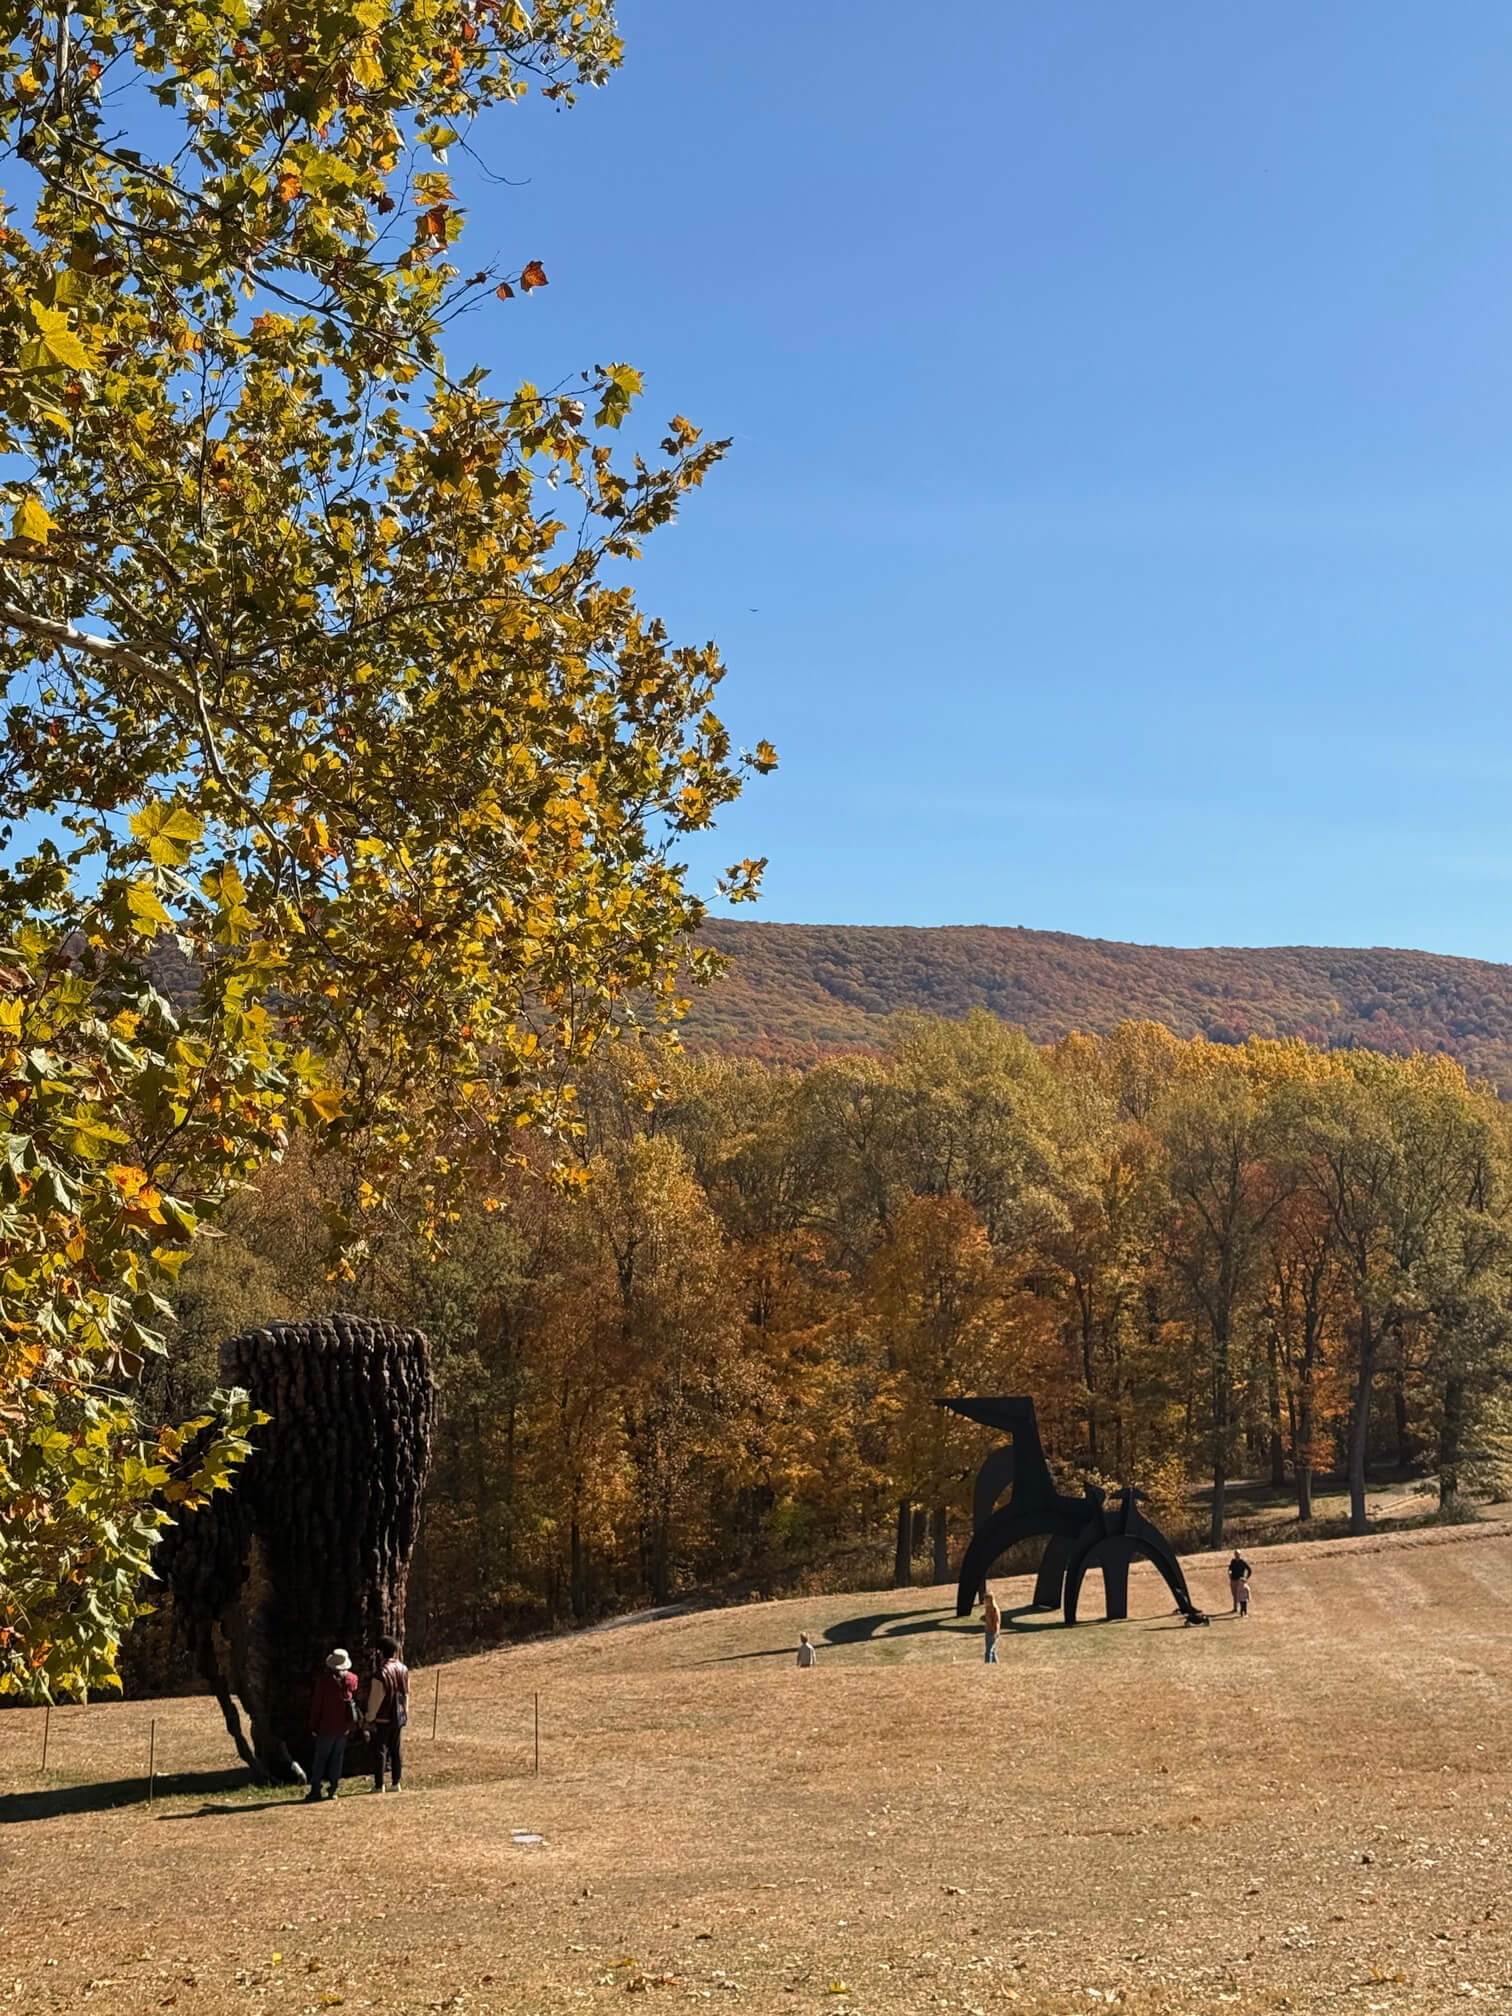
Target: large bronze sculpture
312,1547
1080,1533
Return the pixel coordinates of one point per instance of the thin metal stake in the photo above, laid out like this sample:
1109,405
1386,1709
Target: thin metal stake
152,1760
538,1734
46,1728
436,1705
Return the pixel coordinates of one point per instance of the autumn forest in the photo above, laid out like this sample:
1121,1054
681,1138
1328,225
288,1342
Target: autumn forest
708,1359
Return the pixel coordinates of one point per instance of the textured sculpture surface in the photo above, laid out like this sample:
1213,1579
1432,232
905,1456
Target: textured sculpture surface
311,1549
1080,1533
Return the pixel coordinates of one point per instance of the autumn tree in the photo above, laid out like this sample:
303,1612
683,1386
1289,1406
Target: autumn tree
1217,1133
1304,1305
935,1297
306,676
1396,1152
1101,1250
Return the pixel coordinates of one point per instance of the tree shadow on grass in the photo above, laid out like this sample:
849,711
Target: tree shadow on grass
52,1802
293,1797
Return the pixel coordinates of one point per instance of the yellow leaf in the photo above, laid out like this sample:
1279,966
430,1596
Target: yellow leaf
324,1103
170,832
56,343
147,913
32,521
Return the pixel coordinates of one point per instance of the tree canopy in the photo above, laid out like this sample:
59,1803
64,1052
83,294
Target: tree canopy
318,660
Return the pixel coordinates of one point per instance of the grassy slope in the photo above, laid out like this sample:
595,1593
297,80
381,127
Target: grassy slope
1307,1811
794,989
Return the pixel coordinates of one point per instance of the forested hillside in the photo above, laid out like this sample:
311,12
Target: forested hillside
795,990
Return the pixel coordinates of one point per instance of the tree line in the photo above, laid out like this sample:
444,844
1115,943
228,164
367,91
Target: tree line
708,1352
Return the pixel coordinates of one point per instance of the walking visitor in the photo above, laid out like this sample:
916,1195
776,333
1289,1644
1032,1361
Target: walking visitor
807,1656
992,1624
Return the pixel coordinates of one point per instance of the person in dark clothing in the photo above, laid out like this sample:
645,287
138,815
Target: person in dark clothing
386,1714
1239,1575
333,1715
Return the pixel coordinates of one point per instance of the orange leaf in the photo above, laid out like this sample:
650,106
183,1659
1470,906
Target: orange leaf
533,276
504,291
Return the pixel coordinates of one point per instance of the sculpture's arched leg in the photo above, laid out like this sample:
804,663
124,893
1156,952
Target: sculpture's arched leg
1153,1546
988,1544
1159,1550
1051,1580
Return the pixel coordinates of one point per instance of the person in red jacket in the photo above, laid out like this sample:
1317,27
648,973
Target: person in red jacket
333,1716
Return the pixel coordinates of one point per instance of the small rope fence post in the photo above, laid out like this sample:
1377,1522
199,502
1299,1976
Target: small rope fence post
46,1730
538,1734
436,1705
152,1760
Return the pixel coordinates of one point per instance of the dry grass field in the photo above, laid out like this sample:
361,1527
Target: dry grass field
1306,1811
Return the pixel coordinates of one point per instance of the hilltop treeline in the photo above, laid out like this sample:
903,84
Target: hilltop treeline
794,991
716,1359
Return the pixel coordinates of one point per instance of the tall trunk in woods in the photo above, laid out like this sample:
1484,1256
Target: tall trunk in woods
579,1590
1089,1365
941,1540
1277,1439
1306,1429
1307,1394
1406,1447
903,1553
1223,1406
312,1549
1369,1344
1451,1438
483,1520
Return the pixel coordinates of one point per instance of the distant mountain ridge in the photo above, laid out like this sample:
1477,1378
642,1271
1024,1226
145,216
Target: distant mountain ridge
796,990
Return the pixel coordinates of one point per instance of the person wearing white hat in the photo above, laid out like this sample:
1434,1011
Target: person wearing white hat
333,1716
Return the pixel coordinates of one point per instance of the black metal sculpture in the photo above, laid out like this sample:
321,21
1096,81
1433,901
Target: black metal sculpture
1080,1533
311,1548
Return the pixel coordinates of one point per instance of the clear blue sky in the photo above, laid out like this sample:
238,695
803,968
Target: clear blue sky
1122,479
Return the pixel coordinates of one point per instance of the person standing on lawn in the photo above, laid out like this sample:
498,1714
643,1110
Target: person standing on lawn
1239,1575
387,1713
992,1624
333,1716
807,1656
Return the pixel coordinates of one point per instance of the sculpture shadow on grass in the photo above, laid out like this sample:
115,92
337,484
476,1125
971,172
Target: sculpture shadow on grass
894,1624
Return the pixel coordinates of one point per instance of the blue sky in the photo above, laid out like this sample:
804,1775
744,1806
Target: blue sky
1121,480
